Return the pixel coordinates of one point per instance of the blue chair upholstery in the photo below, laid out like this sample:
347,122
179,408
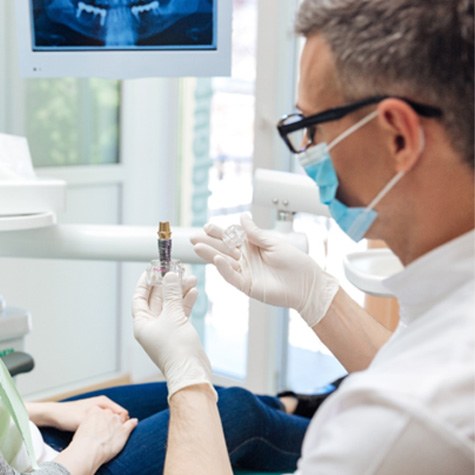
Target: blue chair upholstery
246,472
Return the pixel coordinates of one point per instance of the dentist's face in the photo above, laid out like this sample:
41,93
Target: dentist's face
355,159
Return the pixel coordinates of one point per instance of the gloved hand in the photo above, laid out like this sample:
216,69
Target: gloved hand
162,327
268,268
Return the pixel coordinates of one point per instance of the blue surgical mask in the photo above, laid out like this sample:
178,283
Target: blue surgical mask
317,163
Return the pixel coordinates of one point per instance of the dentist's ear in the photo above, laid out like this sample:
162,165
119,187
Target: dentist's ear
406,140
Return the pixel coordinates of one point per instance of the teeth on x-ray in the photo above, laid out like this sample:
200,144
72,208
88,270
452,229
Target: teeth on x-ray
96,11
102,12
138,9
127,22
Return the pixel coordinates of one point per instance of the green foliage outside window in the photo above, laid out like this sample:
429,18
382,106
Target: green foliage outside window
73,121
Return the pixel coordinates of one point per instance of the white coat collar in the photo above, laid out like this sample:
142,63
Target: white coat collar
429,279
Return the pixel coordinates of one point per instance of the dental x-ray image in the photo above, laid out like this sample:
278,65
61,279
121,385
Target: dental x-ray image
123,24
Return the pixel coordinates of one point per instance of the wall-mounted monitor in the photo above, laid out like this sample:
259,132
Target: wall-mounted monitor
124,38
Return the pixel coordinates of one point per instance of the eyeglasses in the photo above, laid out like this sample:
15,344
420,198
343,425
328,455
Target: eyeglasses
298,131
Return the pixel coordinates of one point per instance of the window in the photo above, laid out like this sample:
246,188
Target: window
310,364
231,147
228,104
73,121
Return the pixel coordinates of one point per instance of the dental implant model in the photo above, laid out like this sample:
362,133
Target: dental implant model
159,267
164,246
234,236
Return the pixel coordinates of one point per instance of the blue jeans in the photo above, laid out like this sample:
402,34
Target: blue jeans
259,434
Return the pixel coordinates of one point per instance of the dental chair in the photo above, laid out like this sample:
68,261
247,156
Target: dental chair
284,193
246,472
15,324
18,362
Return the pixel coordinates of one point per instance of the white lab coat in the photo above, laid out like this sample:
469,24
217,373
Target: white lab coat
412,410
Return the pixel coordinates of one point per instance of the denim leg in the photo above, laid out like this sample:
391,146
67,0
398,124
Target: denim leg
259,435
144,453
141,400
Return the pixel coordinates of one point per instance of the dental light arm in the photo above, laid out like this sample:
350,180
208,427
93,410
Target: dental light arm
94,242
286,193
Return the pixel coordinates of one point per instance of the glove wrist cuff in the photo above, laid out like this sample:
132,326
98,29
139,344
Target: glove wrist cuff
192,371
174,388
319,301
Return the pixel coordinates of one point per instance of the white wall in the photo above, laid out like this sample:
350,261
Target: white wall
68,299
82,331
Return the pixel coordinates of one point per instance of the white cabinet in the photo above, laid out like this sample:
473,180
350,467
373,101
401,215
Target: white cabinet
74,305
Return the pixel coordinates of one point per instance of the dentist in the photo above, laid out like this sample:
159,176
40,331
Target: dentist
385,128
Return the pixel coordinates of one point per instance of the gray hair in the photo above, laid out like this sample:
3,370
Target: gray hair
420,49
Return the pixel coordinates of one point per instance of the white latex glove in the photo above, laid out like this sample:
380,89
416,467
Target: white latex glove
269,269
162,327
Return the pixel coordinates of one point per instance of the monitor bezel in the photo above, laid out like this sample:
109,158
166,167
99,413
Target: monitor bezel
125,63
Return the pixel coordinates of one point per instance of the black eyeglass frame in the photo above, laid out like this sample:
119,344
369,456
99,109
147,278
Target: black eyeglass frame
340,112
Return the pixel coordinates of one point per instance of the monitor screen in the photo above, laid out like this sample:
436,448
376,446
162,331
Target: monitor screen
124,38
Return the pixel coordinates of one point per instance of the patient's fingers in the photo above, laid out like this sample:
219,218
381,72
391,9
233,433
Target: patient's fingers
105,403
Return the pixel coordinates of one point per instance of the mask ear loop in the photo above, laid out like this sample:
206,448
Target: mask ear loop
422,139
396,177
352,129
376,200
385,190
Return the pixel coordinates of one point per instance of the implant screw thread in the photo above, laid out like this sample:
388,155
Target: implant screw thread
165,250
164,246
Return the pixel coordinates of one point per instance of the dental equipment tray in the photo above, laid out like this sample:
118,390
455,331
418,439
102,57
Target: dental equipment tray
368,269
26,197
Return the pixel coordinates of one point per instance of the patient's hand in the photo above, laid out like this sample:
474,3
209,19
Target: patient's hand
69,415
100,436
